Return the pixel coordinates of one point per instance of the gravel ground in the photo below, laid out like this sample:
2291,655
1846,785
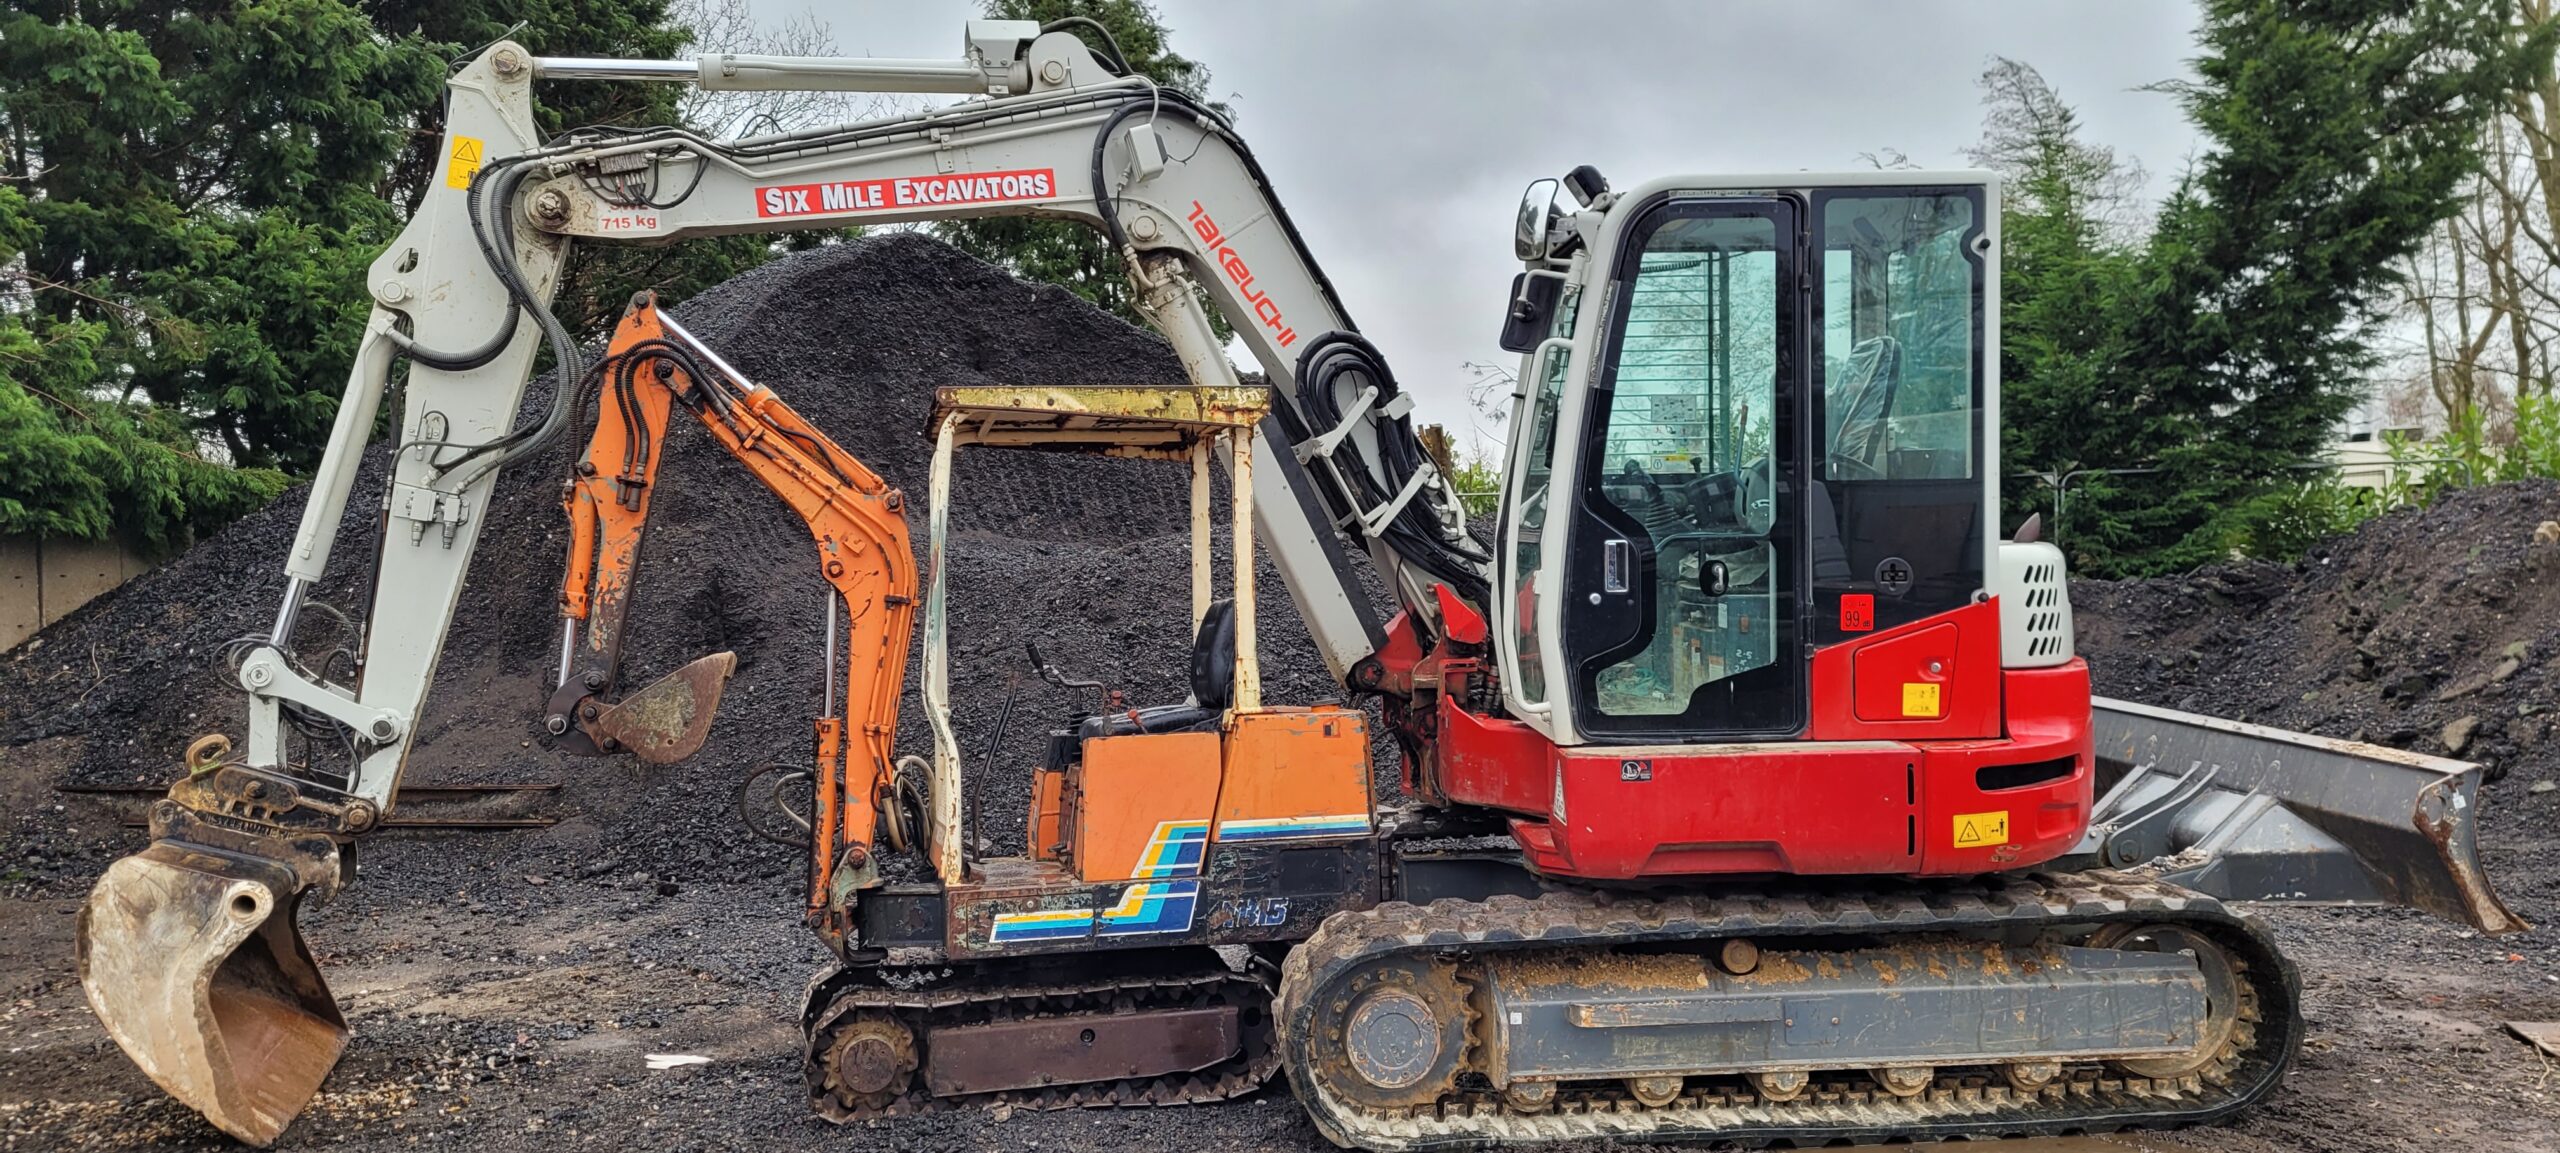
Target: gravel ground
2433,630
505,988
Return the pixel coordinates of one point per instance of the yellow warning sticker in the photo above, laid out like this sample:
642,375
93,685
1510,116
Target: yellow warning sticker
1919,699
1982,828
464,163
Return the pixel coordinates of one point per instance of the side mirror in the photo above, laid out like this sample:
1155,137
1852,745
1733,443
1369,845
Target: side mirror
1532,311
1532,234
1714,579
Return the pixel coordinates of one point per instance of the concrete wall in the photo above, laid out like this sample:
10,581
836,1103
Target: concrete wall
42,580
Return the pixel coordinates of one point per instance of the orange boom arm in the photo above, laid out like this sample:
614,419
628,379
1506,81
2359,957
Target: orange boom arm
860,527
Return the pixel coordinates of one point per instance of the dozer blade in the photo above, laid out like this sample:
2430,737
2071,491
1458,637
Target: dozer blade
192,959
669,720
2251,813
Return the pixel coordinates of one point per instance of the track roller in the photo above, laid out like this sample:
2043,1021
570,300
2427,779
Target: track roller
1905,1080
2032,1076
1781,1084
1654,1092
1530,1096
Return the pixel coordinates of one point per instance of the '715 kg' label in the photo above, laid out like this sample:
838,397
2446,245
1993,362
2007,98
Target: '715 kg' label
841,196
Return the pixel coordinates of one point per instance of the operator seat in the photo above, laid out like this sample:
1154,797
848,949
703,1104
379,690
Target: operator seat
1872,375
1213,685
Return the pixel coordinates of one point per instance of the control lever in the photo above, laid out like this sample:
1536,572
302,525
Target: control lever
1050,673
979,845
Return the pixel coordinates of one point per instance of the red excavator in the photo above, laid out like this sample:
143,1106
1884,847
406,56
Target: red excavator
1752,789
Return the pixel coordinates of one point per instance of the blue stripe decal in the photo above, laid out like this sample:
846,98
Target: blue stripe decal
1176,850
1152,907
1294,828
1045,925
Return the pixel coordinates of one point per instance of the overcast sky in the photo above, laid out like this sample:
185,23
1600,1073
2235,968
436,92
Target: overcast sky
1400,134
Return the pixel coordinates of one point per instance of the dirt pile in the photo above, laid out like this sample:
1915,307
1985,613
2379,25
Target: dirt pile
2427,629
1086,556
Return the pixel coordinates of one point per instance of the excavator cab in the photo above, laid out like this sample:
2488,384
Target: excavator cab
1783,446
1752,529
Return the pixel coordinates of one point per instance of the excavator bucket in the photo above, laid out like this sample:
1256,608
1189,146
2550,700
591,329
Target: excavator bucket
192,958
2251,813
669,720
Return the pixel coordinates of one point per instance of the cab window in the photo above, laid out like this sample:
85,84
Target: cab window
1897,504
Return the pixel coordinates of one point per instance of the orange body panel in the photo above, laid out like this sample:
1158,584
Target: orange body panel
1295,774
1144,805
1048,816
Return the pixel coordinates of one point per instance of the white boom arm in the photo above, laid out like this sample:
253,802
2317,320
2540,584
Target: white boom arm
1059,135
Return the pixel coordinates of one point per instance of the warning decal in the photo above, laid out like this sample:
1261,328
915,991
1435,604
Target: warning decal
465,161
842,196
1919,698
1857,612
1982,829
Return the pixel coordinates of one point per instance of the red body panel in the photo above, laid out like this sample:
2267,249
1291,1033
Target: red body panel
1840,807
1859,687
1869,791
1493,762
2048,723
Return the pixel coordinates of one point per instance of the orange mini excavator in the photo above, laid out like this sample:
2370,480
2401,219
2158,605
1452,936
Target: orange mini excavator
1123,812
856,520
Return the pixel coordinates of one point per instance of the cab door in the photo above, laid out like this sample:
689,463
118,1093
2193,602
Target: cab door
1684,573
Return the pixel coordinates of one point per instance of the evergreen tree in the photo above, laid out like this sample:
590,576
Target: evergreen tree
2223,353
196,195
2067,224
1065,252
189,198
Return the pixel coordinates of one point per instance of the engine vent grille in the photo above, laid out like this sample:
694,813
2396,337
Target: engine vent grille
2035,606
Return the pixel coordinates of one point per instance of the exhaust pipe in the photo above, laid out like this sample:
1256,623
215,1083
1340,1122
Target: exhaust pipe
192,956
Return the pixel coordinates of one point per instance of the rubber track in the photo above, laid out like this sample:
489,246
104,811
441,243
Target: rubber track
836,994
1838,1110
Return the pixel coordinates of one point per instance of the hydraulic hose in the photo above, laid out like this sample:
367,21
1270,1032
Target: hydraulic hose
1414,532
499,182
459,361
1343,361
1118,60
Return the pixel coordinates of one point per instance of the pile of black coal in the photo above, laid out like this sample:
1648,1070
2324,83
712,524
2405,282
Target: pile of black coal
1086,556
